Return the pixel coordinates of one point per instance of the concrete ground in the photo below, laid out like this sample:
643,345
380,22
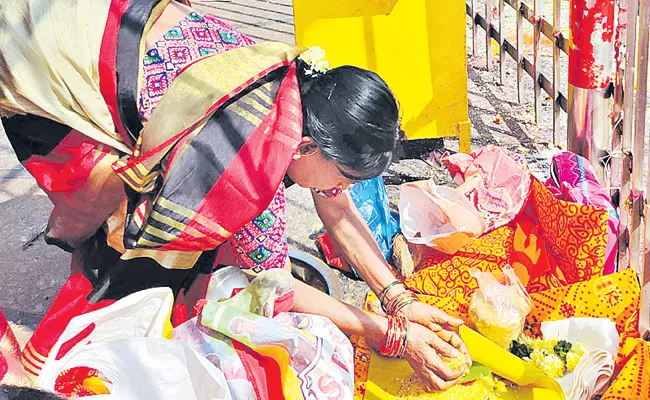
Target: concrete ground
33,272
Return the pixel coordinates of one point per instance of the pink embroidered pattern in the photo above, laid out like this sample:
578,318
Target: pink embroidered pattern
196,36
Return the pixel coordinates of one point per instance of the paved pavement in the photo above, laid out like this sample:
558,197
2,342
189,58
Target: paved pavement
32,272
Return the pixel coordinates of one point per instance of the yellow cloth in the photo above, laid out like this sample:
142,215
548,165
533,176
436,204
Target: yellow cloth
633,382
616,296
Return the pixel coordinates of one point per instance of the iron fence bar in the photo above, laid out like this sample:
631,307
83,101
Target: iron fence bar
641,98
473,15
644,312
617,110
547,28
519,56
644,238
502,52
488,34
556,73
537,61
524,65
638,141
627,128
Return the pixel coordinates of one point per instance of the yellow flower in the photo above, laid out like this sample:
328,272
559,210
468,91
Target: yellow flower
578,348
537,357
500,388
527,340
551,364
572,359
315,57
548,345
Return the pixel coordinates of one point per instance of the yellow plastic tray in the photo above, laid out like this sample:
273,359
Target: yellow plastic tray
385,375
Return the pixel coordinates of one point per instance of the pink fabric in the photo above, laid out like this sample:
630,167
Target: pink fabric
197,36
496,181
573,179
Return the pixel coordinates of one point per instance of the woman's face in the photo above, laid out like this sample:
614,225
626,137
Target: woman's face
309,169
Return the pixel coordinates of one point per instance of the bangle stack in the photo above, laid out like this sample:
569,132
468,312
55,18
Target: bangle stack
395,343
397,303
384,292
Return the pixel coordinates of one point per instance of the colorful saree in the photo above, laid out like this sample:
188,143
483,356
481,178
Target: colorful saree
210,158
162,196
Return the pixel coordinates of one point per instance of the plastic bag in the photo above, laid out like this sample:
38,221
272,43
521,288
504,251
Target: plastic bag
497,181
252,336
499,306
145,368
438,216
371,199
11,370
142,314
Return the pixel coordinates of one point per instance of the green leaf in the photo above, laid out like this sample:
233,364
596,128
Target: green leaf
521,350
476,371
562,348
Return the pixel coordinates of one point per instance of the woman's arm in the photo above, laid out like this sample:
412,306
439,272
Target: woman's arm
348,228
422,348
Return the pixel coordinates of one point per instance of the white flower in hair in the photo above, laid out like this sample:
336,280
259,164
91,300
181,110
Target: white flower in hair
316,59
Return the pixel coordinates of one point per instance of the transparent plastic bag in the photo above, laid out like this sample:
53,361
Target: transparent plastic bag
499,306
438,216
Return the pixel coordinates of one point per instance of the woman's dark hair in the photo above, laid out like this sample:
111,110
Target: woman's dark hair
23,393
353,117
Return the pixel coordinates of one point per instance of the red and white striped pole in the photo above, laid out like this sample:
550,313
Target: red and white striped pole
591,69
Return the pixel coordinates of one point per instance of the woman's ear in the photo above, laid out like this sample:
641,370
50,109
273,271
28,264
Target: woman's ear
307,147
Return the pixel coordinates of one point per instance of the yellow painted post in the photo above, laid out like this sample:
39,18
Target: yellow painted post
417,46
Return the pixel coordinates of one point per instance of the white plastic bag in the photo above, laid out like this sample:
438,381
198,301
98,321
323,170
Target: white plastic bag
499,306
125,343
438,216
141,314
146,368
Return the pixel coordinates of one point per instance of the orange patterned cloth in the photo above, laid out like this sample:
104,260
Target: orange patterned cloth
614,296
551,243
362,354
633,382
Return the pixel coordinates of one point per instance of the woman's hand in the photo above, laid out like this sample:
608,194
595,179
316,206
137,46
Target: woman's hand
424,350
439,322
